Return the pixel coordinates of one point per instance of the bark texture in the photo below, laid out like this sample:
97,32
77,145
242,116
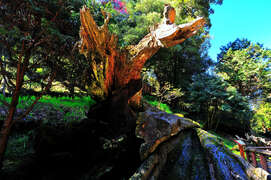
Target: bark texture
113,69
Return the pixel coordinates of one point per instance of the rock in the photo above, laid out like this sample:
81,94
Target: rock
224,163
187,160
180,157
155,127
176,149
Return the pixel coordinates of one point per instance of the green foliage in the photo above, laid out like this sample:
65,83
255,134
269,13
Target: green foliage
261,121
132,26
167,93
247,69
238,44
211,96
178,64
26,101
154,102
44,32
54,110
149,77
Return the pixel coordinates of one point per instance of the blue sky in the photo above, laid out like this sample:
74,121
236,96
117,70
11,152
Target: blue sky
249,19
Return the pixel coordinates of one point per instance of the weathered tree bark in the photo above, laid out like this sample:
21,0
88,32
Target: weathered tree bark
112,68
116,79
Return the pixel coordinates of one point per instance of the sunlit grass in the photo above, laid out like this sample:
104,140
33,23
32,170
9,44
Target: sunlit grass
152,101
68,101
25,101
54,109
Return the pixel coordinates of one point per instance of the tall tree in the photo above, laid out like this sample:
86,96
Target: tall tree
34,34
246,67
211,97
178,64
238,44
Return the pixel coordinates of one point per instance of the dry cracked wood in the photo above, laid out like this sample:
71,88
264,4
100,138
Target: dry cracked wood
112,68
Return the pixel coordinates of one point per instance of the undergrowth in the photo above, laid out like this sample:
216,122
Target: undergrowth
154,102
49,111
25,101
65,110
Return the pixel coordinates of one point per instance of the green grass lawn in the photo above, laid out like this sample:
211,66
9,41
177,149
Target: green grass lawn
25,101
53,110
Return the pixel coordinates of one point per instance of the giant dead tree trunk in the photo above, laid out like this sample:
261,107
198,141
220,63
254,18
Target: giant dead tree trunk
115,79
113,69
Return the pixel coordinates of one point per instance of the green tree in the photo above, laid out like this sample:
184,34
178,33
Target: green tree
247,69
132,25
178,64
34,34
211,97
260,122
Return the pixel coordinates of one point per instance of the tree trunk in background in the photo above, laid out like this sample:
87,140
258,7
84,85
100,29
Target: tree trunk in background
113,69
9,121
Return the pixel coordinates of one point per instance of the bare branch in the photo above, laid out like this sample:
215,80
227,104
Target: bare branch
5,103
166,35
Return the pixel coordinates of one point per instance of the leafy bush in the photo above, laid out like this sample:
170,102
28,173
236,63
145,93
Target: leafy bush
261,121
165,93
153,101
212,99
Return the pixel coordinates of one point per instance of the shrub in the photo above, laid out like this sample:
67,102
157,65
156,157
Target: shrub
261,121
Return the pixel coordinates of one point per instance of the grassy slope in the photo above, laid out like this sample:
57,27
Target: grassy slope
49,110
24,101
